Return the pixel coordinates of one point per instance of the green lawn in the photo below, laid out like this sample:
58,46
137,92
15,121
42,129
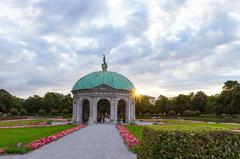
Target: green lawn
10,137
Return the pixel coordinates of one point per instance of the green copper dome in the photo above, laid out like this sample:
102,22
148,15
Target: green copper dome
112,79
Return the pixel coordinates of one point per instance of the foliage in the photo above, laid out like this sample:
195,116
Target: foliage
199,101
54,112
23,111
17,150
188,113
227,102
171,113
191,113
13,111
7,101
196,113
41,112
143,105
50,101
163,143
136,130
65,111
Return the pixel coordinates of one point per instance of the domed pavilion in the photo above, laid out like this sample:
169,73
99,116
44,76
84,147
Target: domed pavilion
103,95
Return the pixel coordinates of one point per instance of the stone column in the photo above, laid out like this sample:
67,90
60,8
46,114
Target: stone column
113,110
131,110
128,111
79,111
91,119
134,109
73,110
94,109
73,113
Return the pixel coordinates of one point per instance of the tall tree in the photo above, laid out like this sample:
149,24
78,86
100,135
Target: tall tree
163,105
182,102
199,101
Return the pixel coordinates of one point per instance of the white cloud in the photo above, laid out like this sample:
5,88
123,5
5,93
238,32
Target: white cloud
164,47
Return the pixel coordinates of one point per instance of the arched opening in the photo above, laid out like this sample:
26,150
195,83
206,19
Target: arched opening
103,110
121,111
85,110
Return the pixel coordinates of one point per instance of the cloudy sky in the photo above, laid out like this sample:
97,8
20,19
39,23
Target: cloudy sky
165,47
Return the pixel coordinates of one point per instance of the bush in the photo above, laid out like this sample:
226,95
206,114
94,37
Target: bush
13,111
54,112
65,111
160,143
187,113
235,116
17,150
41,112
197,113
1,114
171,113
23,112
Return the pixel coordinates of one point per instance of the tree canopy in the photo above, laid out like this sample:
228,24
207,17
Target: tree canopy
227,102
50,101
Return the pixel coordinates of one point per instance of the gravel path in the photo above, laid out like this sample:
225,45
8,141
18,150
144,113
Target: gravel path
100,141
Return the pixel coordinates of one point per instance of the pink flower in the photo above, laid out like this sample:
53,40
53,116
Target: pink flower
128,138
41,142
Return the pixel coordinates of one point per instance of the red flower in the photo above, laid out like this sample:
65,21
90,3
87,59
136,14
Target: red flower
128,138
39,143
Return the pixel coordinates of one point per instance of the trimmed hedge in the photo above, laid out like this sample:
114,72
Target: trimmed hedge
158,143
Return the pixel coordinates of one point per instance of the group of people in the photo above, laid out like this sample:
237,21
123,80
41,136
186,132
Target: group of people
104,119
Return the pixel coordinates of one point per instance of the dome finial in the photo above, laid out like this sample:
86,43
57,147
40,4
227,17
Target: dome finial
104,65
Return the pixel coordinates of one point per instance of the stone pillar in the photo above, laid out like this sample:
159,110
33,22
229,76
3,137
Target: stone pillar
73,113
79,111
74,110
91,119
94,109
128,111
131,110
134,109
113,110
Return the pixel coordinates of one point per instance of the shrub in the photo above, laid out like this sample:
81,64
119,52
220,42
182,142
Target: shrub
65,111
235,116
17,150
171,113
160,143
1,114
13,111
187,113
41,112
23,112
54,112
197,113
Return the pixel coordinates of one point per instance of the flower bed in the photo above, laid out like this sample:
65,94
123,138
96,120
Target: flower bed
25,126
1,151
41,142
128,138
